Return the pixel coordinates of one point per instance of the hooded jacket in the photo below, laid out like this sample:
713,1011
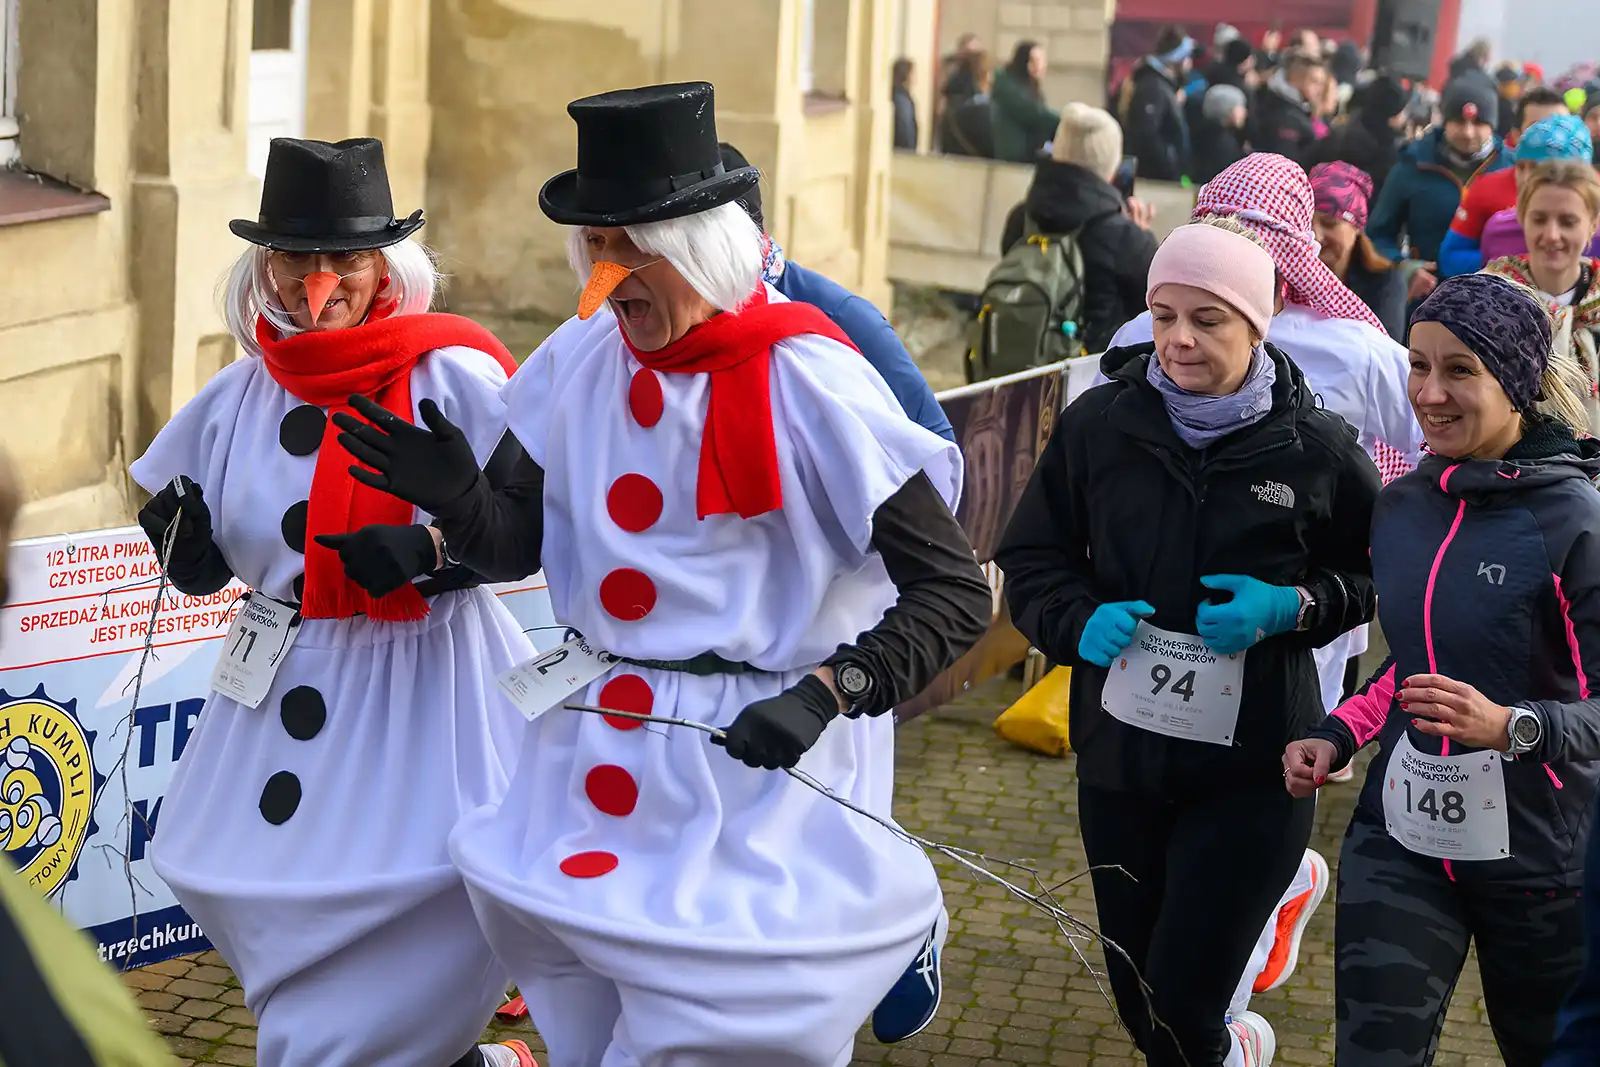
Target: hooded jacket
1065,197
1119,508
1153,125
1488,572
1282,121
1420,197
1364,141
1022,122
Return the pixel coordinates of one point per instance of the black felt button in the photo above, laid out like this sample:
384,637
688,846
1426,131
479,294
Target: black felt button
294,526
300,588
301,430
280,797
303,712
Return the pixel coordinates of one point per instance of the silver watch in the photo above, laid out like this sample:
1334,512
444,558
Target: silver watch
1302,617
1524,731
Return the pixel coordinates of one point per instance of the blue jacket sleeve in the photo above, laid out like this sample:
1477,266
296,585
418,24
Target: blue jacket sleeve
865,325
1389,216
1459,255
1578,1026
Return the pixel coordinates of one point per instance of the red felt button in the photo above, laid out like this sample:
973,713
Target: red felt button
588,864
627,692
612,789
645,399
627,594
634,503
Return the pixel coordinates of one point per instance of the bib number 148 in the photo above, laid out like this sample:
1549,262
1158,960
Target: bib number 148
1449,805
1161,674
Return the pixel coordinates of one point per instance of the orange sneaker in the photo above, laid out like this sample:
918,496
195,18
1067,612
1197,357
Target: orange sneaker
1292,920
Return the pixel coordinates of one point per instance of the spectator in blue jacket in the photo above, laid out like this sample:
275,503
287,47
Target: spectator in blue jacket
1422,192
863,323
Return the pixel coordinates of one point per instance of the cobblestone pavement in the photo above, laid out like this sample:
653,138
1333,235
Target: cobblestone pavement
1014,994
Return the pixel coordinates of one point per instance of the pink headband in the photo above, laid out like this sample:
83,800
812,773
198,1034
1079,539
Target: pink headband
1227,265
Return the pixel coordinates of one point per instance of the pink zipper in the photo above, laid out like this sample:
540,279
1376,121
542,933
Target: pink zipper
1427,609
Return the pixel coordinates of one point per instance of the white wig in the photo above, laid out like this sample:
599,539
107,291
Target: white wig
718,252
248,291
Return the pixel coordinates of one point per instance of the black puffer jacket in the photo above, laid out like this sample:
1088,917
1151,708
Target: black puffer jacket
1154,128
1282,124
1116,252
1490,574
1120,509
1361,142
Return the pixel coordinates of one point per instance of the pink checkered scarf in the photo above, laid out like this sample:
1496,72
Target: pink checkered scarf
1272,195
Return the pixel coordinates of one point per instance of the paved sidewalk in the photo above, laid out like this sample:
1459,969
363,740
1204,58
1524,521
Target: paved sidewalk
1014,993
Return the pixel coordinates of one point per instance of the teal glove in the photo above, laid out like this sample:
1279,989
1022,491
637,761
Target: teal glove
1110,630
1256,612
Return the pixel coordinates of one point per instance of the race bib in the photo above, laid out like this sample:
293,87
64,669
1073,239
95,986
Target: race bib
258,642
542,682
1447,807
1172,684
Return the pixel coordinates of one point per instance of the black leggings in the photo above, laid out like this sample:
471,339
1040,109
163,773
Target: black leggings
1403,928
1203,877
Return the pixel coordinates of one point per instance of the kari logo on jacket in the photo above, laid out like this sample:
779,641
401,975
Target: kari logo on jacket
1274,493
47,787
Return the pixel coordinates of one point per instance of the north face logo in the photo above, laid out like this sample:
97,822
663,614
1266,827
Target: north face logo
1274,493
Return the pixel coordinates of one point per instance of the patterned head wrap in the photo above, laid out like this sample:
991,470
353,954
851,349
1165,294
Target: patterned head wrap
1272,195
1342,191
1504,327
1556,137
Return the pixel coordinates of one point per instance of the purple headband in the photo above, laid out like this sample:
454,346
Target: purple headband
1342,191
1507,329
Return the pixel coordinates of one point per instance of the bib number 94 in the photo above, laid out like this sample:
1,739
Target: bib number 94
1161,674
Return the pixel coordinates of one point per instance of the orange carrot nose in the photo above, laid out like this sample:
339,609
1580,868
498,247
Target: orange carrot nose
604,278
319,287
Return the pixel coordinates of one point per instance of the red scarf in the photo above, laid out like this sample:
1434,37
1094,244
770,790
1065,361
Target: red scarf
738,451
325,368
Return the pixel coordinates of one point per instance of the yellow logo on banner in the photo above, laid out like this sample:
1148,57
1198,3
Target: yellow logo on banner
47,787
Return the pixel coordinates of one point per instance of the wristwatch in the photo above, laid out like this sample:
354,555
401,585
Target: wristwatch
1524,730
854,684
1302,617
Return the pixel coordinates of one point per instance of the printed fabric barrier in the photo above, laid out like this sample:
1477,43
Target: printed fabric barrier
1002,425
85,764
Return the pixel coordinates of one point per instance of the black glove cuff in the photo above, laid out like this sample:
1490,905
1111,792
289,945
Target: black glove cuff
815,696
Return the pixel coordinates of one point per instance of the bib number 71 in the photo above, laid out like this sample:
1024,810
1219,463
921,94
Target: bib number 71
1161,674
1449,806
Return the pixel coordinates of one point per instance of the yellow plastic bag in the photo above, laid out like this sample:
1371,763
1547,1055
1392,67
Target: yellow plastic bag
1038,720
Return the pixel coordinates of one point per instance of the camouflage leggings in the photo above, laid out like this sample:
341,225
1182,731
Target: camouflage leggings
1403,929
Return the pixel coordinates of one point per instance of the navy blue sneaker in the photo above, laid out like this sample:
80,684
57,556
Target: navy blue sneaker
911,1005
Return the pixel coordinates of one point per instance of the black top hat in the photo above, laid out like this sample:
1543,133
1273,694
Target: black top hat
644,155
321,197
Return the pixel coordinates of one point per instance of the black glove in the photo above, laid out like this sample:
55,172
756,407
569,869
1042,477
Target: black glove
380,559
776,732
193,544
429,467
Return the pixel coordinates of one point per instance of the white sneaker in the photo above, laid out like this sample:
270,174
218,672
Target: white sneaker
1255,1037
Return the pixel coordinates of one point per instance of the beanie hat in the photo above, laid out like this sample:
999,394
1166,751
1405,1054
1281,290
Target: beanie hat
1224,34
1556,137
1342,191
1505,327
1089,137
1235,52
1576,98
1227,265
1219,102
1471,99
1382,98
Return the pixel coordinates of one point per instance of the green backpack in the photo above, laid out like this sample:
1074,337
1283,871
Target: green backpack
1031,309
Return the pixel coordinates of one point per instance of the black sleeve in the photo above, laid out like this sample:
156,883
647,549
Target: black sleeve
200,577
1044,552
944,603
496,528
1340,576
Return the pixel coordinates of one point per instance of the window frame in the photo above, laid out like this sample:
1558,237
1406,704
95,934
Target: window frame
9,10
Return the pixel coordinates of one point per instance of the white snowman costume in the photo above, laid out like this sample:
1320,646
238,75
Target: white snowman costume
331,892
660,903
